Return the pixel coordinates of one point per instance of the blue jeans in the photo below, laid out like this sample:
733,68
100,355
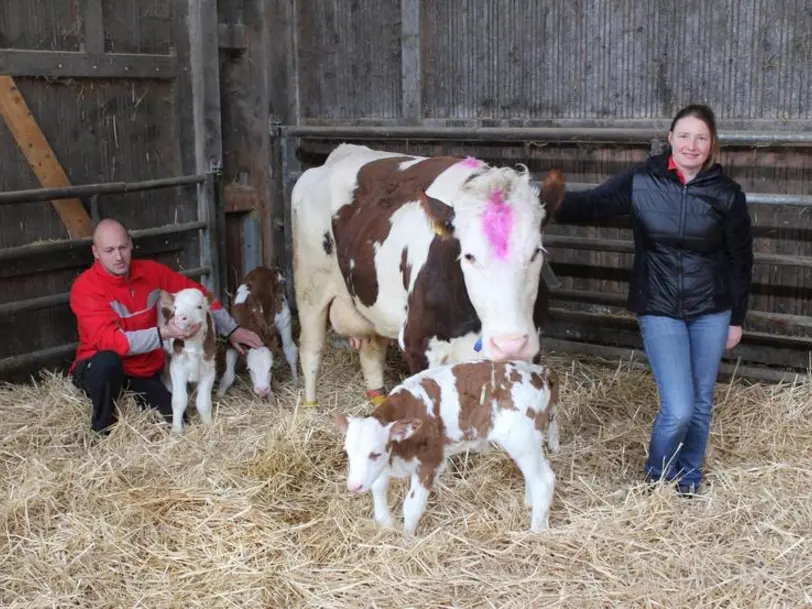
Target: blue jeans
684,357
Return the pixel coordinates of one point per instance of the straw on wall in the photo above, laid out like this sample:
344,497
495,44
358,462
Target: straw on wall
253,512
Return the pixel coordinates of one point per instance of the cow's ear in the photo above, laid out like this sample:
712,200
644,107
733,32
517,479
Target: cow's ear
440,214
552,193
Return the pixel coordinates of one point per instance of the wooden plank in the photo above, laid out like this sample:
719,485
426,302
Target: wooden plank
40,157
70,64
231,36
240,198
94,27
410,61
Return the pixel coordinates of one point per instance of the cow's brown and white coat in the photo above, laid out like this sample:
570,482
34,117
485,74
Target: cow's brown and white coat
191,360
441,254
447,410
261,305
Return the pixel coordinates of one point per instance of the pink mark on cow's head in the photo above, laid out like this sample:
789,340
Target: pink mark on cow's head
471,162
497,223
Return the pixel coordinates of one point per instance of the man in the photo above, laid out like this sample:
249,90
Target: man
120,344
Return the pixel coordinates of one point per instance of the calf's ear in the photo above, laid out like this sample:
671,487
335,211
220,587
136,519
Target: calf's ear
341,422
403,429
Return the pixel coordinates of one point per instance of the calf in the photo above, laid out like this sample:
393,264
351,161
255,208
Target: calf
261,305
447,410
190,360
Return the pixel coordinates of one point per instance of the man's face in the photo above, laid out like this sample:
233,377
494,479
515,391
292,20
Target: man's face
113,249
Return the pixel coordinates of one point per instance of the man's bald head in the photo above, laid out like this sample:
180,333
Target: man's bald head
112,246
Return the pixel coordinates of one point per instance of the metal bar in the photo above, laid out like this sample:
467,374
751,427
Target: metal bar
799,342
726,370
289,162
610,135
627,247
24,251
54,300
48,194
754,198
619,300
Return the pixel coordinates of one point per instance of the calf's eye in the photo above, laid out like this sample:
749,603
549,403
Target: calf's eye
470,258
374,456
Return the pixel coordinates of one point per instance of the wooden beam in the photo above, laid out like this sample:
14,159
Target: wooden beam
231,36
41,157
240,198
94,27
72,64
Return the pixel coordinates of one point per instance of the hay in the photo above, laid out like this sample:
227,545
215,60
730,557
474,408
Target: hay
253,513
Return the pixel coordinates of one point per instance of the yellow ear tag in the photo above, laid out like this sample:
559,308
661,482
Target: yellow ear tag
378,400
439,230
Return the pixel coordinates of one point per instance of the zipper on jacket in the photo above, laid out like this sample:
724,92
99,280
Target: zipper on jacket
679,251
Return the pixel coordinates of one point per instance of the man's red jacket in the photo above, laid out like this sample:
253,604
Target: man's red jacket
119,314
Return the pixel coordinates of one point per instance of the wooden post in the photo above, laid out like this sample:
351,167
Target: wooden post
41,157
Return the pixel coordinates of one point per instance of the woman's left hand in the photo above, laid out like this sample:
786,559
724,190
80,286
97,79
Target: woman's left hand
734,335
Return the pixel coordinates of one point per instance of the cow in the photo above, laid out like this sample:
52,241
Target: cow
261,305
447,410
442,254
190,360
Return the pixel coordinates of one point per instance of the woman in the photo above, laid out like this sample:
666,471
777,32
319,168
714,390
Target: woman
690,280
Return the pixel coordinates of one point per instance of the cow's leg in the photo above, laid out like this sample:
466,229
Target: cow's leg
313,322
373,355
228,375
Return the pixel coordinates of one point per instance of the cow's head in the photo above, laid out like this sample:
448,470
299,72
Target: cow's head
368,445
186,308
498,220
259,363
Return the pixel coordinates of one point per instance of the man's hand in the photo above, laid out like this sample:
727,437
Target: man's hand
170,330
242,337
734,335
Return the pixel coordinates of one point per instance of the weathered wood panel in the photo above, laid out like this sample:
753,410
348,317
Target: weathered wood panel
107,123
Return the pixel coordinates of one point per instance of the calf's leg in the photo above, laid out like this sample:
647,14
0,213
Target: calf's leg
228,375
204,387
282,321
414,504
524,445
180,398
380,502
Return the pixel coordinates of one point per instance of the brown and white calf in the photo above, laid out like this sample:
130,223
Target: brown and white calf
190,360
262,306
442,254
451,409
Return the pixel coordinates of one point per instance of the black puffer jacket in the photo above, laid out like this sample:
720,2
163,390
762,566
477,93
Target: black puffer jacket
693,245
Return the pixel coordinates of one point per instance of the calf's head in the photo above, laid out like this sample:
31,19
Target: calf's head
259,363
187,308
498,220
368,445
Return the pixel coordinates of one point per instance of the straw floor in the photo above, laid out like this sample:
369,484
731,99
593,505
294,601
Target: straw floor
252,513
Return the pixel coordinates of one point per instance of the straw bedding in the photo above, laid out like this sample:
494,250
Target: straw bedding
253,512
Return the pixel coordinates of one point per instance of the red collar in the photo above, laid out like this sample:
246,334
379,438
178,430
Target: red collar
672,166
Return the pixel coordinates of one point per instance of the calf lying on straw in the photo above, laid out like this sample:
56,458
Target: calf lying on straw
261,305
190,360
447,410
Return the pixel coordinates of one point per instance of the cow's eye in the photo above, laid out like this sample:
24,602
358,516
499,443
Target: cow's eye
200,307
374,456
470,258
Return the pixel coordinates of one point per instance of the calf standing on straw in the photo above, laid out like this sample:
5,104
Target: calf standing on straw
447,410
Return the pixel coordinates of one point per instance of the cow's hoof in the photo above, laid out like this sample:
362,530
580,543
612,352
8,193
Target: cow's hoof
310,403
